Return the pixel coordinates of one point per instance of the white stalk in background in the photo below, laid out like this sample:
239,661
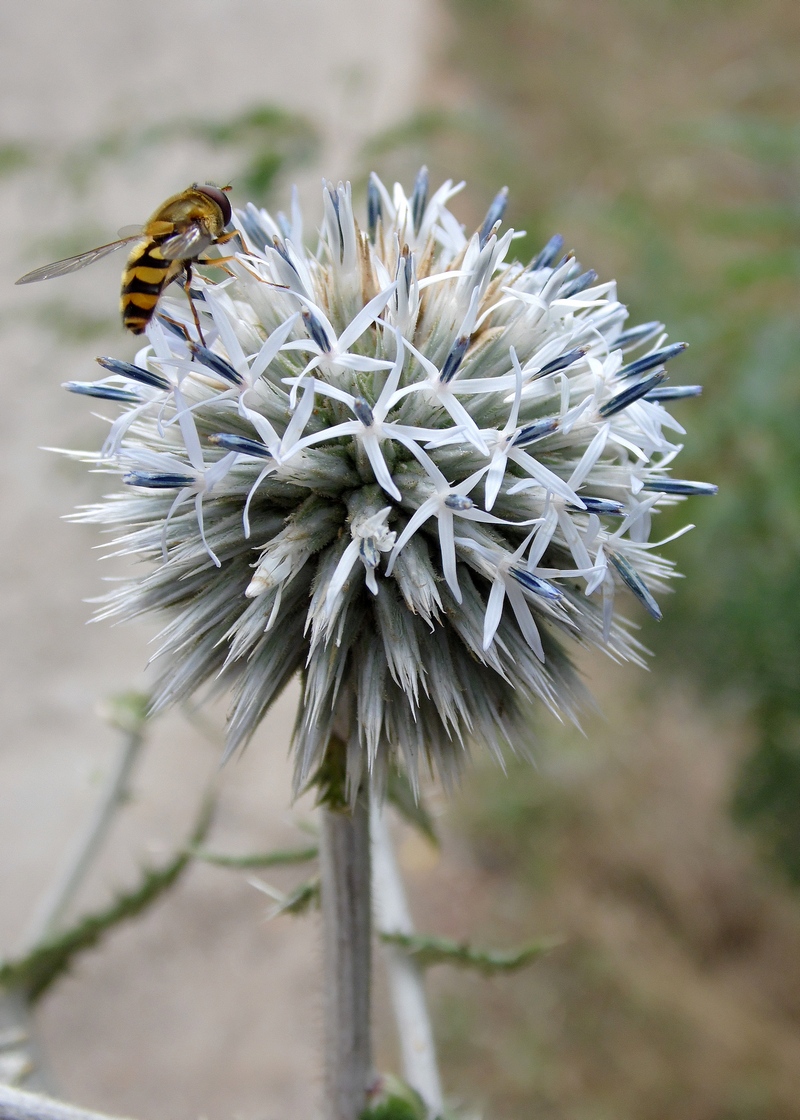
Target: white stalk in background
405,976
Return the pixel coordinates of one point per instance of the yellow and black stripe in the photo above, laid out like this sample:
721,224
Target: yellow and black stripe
146,275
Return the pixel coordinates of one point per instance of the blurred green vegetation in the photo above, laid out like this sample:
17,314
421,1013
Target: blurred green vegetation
676,990
662,139
263,141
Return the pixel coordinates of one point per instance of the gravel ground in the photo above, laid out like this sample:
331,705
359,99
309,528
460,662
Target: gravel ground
201,1008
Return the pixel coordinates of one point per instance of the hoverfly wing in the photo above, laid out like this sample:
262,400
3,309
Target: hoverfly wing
72,264
126,232
186,245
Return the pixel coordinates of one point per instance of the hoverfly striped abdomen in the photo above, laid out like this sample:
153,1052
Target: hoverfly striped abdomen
146,275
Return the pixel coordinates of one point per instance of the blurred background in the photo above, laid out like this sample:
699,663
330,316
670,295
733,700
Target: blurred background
662,139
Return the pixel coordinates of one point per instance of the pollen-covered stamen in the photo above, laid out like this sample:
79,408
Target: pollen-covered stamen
628,396
636,584
454,358
374,212
214,362
316,331
536,431
459,502
155,480
494,215
679,486
603,505
134,373
549,254
240,444
536,584
564,362
650,361
419,198
579,284
363,411
102,391
674,392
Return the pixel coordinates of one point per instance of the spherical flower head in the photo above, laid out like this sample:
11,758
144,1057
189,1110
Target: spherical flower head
403,466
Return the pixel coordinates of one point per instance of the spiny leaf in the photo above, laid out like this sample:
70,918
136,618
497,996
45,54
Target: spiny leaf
277,858
34,973
427,951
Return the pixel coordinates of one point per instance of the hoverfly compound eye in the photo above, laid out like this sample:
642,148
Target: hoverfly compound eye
218,196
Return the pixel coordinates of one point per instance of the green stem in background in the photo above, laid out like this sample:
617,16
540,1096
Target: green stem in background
347,929
35,972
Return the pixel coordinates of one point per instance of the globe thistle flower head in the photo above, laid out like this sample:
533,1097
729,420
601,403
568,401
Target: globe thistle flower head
403,465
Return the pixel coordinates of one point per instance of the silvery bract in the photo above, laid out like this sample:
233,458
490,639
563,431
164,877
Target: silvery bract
400,465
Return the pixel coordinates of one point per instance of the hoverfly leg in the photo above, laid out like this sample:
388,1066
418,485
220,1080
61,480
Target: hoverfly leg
179,328
187,287
212,262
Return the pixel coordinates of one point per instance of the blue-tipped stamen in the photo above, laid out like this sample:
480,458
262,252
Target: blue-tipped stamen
601,505
537,585
363,412
637,336
154,480
632,393
283,253
369,552
537,430
680,486
241,444
631,578
454,358
493,215
459,502
564,362
284,224
135,373
103,392
549,253
374,208
675,392
649,361
316,330
214,362
579,284
419,198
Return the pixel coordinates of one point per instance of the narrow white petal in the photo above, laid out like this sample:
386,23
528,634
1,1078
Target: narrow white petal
425,511
339,577
448,547
494,611
371,445
524,617
269,351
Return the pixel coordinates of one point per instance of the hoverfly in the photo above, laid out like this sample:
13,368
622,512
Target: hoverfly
169,243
